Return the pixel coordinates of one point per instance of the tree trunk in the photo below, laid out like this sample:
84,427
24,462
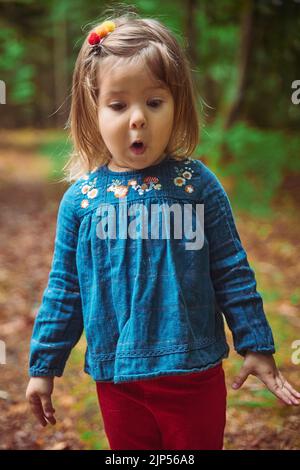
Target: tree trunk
191,30
60,71
243,61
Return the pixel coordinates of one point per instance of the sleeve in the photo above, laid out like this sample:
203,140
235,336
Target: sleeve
233,279
58,325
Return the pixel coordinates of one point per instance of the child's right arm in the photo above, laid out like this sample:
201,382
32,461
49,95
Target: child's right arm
58,325
38,394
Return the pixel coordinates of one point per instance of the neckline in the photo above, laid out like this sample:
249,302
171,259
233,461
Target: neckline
135,171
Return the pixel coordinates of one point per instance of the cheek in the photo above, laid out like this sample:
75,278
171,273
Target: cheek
110,122
107,125
169,120
100,121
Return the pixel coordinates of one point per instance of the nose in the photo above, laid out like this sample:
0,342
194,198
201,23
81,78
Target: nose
138,119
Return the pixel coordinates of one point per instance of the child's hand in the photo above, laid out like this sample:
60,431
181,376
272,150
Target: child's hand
38,394
263,366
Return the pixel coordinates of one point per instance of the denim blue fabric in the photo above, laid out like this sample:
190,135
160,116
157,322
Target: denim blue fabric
148,307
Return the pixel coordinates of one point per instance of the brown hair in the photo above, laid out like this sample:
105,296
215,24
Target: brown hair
133,39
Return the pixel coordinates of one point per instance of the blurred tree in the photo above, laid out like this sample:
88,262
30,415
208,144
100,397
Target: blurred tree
244,56
245,50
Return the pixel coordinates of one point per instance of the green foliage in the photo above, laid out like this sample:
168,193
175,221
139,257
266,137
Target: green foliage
261,398
258,161
17,74
260,154
295,297
57,150
91,439
270,295
250,403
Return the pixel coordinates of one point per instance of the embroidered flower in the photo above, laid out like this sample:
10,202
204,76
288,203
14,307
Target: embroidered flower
88,189
132,183
183,175
84,203
120,190
114,184
149,183
179,181
93,193
151,179
85,189
187,175
189,188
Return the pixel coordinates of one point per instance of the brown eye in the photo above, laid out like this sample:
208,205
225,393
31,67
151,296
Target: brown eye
155,103
116,106
120,106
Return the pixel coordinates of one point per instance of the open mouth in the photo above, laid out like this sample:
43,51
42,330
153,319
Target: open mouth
138,144
138,147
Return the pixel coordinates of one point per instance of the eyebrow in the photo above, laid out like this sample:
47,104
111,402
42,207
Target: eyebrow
123,92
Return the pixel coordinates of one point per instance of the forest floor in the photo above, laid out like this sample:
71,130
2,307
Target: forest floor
28,207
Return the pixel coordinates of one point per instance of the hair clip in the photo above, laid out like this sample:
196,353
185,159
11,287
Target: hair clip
100,32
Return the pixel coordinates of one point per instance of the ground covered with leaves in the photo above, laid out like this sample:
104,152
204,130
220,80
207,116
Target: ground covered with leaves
28,208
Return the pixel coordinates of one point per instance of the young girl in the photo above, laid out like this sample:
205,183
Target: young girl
134,266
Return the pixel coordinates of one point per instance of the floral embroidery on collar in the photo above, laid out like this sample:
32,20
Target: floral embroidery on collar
88,189
183,175
120,190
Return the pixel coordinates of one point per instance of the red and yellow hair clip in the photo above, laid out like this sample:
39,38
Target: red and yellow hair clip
100,32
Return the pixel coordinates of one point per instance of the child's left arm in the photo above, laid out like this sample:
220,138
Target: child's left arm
235,290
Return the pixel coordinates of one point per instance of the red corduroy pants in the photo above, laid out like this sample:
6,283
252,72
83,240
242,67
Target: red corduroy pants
183,412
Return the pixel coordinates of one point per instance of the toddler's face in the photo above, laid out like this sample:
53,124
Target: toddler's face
133,105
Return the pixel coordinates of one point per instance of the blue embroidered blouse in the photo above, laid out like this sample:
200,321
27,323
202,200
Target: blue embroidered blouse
149,305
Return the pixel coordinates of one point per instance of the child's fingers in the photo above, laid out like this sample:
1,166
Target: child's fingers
276,386
285,386
289,387
291,400
240,378
48,409
37,408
